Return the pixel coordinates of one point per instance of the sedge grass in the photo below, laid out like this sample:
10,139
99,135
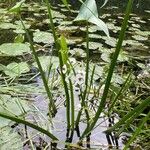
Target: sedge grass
52,106
137,131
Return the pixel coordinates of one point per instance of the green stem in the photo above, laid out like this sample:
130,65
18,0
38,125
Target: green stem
87,62
83,98
72,105
52,106
52,24
66,91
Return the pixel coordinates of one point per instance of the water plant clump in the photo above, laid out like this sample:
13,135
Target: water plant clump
71,79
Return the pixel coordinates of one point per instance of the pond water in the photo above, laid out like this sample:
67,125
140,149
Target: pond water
136,47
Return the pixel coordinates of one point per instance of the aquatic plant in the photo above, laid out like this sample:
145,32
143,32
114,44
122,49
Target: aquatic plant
73,80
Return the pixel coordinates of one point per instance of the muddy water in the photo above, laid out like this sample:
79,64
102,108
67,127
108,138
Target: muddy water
58,126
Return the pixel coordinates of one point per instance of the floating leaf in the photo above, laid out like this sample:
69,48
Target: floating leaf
78,52
88,12
111,42
12,105
43,37
123,56
46,61
16,69
140,38
9,139
7,26
106,56
14,49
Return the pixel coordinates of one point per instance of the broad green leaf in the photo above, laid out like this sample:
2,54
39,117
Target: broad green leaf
14,49
16,69
17,7
88,12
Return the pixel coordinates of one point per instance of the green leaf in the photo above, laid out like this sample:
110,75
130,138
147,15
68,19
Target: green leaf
17,7
14,49
6,25
63,49
88,12
43,37
16,69
19,38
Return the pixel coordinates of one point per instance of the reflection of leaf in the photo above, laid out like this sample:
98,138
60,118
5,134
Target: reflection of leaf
14,49
16,69
88,12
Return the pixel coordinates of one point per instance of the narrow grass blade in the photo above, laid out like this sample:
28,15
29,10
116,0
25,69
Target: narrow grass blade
72,105
119,93
87,62
63,76
137,131
131,115
52,24
51,102
18,120
66,4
